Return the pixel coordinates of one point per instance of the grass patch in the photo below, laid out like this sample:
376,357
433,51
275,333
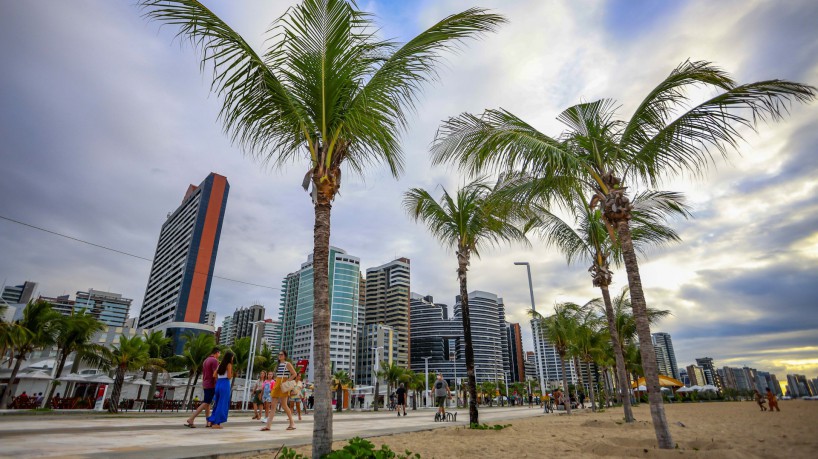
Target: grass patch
488,427
357,448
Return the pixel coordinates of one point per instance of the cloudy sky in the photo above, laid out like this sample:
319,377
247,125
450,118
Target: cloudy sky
105,120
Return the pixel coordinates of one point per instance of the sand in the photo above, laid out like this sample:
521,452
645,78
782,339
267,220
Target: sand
709,430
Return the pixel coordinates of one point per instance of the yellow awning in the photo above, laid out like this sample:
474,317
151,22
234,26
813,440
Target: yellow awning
664,381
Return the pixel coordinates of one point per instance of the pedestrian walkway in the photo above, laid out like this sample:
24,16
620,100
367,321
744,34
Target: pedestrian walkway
165,436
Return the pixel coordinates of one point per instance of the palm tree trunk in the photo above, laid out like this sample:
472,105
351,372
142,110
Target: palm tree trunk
621,373
322,414
12,385
591,386
60,366
139,393
580,379
566,394
187,387
463,263
377,390
195,381
152,390
113,404
649,366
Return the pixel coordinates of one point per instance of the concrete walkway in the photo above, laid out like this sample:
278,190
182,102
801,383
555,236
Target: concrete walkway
164,436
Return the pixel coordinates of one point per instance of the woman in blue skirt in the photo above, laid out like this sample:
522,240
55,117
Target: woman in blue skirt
221,399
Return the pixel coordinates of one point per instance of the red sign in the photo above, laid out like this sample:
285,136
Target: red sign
301,366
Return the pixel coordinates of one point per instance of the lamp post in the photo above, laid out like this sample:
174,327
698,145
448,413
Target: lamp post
505,381
538,332
426,393
375,374
453,358
254,338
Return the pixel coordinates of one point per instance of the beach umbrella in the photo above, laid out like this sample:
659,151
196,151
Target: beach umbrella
685,389
39,374
73,377
140,382
100,379
710,387
698,388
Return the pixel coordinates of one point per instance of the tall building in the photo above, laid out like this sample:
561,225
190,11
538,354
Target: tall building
800,386
437,341
710,373
515,350
272,334
226,337
550,361
110,308
531,366
244,320
19,294
695,374
665,356
387,302
182,270
297,310
210,318
378,343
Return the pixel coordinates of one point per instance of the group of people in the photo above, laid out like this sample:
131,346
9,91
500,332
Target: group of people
770,399
269,394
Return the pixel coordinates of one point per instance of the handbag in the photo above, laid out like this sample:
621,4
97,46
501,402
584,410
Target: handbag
288,385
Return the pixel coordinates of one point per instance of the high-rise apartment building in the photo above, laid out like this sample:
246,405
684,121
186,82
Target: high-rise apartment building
272,334
378,344
110,308
550,360
665,356
244,320
710,373
695,374
531,366
179,283
387,303
210,318
437,341
19,294
296,312
515,351
800,386
227,336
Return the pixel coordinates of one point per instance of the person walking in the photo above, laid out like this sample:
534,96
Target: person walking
266,394
258,388
772,402
442,393
401,393
281,392
546,403
558,398
221,398
295,395
760,400
211,363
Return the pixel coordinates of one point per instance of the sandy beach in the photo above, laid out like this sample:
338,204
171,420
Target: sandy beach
701,430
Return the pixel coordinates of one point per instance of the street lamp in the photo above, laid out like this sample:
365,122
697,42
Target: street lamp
426,393
453,358
254,339
537,333
377,368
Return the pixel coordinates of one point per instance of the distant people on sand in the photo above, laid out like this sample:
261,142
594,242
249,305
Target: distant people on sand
401,394
772,401
285,373
760,400
221,399
209,367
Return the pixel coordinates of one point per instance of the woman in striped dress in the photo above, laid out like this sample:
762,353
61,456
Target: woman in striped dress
285,372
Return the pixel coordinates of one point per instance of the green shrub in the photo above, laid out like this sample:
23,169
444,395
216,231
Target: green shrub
488,427
358,448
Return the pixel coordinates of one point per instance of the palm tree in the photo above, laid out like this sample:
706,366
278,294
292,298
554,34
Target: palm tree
327,91
587,341
265,359
586,239
392,374
156,342
241,350
130,354
339,380
37,329
474,217
558,329
197,348
667,135
74,334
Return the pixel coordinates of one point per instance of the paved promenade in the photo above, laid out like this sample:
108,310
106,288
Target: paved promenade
164,436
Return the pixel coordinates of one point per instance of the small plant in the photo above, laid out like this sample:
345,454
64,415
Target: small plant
488,427
358,448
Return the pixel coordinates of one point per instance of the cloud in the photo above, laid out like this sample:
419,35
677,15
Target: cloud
105,120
